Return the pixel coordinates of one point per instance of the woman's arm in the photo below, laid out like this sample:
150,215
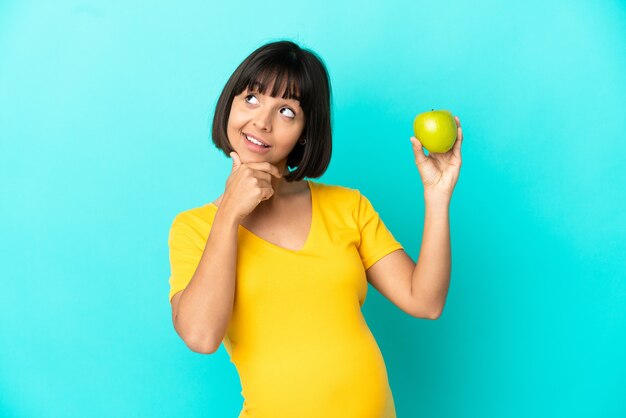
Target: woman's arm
419,289
203,310
439,173
430,279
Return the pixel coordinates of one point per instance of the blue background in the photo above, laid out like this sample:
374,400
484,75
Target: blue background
105,111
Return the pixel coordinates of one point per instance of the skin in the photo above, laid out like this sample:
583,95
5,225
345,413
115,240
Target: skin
277,122
421,289
439,171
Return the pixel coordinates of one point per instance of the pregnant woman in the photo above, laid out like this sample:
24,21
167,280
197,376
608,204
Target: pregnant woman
277,267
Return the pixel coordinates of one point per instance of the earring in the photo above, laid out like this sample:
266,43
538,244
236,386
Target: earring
302,142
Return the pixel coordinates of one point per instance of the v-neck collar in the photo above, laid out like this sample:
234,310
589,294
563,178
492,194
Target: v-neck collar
312,228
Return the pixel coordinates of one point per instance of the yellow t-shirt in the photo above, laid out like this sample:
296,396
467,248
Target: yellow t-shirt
297,335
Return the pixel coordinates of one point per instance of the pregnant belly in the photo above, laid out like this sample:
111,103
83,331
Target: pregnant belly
337,377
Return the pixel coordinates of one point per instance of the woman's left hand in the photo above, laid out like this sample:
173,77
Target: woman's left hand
439,171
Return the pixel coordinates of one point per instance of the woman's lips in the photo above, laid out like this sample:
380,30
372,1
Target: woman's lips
257,138
259,149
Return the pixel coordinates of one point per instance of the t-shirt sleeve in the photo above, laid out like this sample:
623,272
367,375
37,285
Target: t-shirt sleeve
186,248
376,240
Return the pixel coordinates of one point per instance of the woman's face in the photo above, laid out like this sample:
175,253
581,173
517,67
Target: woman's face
274,121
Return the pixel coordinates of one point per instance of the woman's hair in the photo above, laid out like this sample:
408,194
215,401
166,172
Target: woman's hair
301,75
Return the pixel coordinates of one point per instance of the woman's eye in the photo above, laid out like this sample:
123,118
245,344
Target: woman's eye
249,95
293,114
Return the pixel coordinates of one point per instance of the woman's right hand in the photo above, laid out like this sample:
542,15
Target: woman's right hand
248,185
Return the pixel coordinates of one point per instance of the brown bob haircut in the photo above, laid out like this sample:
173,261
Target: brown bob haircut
301,75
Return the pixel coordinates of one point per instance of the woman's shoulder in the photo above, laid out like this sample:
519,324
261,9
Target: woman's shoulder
337,194
196,216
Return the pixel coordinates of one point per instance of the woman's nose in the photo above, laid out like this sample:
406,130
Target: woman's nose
263,120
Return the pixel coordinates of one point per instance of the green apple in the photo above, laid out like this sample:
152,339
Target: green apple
436,130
